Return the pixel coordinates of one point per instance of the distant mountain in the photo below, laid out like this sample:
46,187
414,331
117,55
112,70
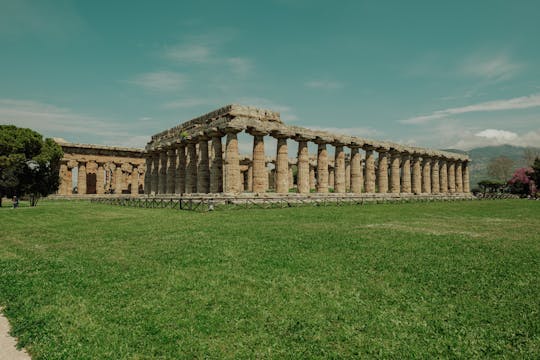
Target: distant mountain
483,155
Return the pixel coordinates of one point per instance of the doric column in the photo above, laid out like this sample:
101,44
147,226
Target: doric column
443,176
416,175
180,178
451,176
216,168
406,173
118,179
191,166
81,178
312,178
282,166
258,162
356,170
382,171
370,171
303,173
435,184
339,169
395,160
135,181
203,167
331,177
459,177
63,188
291,175
155,172
147,178
100,179
466,177
162,187
171,170
250,178
426,174
231,167
322,167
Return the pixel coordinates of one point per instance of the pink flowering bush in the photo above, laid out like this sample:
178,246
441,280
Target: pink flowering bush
521,182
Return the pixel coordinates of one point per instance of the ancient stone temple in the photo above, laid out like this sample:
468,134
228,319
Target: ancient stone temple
201,156
101,170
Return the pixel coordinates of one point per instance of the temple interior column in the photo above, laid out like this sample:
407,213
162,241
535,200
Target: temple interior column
180,177
406,173
147,179
466,177
395,175
155,173
443,176
118,179
216,169
459,177
416,175
203,167
272,179
100,179
259,163
331,176
231,167
435,184
162,181
171,170
322,168
426,175
347,174
356,170
339,169
370,171
312,178
451,176
81,178
135,181
303,171
191,167
382,172
282,167
250,177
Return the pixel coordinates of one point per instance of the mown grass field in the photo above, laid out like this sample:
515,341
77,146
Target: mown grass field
424,280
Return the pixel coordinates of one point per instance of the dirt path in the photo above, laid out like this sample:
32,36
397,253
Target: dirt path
8,351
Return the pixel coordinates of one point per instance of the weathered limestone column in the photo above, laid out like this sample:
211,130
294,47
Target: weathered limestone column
203,167
435,186
356,170
303,173
459,177
162,187
291,176
81,178
155,172
118,179
171,170
395,183
231,168
339,169
443,176
191,166
331,177
63,188
370,171
250,178
100,180
382,171
180,178
135,181
451,176
416,175
322,167
406,173
147,179
282,166
258,162
426,175
466,177
216,168
312,178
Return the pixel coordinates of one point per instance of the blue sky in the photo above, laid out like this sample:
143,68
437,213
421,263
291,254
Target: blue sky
446,74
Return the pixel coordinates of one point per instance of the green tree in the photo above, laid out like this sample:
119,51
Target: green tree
535,176
29,164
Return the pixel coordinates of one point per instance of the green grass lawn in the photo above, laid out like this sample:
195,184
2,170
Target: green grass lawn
417,280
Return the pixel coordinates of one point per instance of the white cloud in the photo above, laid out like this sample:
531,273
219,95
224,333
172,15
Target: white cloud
498,135
240,66
523,102
324,84
160,81
196,53
496,68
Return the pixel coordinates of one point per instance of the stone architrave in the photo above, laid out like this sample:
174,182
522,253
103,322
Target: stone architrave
356,170
435,183
370,171
171,170
231,167
302,174
466,178
203,167
406,173
426,175
191,166
382,172
443,177
81,178
216,168
282,167
339,169
451,177
459,177
417,175
395,175
322,168
180,178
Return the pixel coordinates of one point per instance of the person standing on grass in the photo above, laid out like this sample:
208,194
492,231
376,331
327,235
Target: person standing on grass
15,202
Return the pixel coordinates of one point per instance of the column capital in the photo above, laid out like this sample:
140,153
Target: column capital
214,132
301,137
323,140
256,131
281,134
